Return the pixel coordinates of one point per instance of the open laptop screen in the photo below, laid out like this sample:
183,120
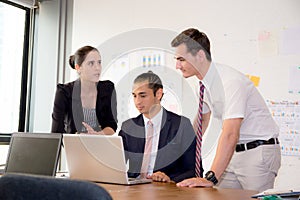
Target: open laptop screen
98,158
33,153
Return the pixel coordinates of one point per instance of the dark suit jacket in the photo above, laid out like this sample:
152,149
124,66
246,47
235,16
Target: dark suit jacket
176,148
67,116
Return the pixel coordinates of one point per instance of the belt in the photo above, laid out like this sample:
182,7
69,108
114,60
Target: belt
254,144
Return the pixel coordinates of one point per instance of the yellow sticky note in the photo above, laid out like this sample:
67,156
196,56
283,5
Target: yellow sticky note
254,79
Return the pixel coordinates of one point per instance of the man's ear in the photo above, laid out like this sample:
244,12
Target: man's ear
201,54
159,93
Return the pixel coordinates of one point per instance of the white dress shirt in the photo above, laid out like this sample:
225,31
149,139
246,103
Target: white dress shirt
230,94
156,121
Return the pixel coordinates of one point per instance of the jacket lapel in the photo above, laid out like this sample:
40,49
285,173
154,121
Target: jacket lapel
77,105
163,138
165,126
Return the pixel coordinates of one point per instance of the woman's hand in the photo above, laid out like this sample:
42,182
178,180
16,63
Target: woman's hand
90,130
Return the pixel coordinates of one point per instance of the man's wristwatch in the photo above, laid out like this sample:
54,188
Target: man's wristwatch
210,176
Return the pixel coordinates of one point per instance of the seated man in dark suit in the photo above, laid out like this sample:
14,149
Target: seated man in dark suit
159,144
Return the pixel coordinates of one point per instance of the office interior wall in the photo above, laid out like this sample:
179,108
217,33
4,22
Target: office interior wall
244,34
52,40
44,65
233,27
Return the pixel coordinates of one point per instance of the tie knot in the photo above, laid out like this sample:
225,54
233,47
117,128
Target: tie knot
201,87
149,123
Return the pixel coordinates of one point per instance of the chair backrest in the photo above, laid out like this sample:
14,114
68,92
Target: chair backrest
25,187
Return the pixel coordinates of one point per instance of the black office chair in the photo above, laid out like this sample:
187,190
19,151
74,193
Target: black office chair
24,187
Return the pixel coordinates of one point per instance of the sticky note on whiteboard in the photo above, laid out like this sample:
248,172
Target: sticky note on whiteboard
254,79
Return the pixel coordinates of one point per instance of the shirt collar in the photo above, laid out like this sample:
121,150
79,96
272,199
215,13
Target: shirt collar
156,119
210,76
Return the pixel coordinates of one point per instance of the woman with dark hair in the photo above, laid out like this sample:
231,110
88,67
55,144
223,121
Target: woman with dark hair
85,105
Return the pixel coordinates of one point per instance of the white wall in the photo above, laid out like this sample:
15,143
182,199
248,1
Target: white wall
233,27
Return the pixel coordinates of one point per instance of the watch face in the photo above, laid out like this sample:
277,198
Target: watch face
210,174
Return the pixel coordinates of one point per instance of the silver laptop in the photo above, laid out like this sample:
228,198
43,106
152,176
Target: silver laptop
33,153
97,158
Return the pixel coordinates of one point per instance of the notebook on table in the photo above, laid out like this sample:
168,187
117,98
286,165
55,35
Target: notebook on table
97,158
33,153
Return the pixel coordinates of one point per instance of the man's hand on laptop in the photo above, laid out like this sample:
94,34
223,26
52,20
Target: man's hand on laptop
159,177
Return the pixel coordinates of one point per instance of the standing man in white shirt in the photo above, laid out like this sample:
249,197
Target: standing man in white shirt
248,152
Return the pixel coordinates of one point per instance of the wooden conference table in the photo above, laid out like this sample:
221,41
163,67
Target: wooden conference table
165,191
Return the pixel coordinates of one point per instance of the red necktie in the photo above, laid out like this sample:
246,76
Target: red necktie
199,132
147,150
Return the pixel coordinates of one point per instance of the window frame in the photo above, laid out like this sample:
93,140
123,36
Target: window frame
5,137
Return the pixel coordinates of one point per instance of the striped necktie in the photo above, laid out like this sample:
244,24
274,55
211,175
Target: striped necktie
147,150
199,133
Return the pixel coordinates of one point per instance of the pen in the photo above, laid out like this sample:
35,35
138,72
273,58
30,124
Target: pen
277,192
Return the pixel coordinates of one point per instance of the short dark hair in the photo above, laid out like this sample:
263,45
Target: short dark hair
194,41
154,81
80,55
